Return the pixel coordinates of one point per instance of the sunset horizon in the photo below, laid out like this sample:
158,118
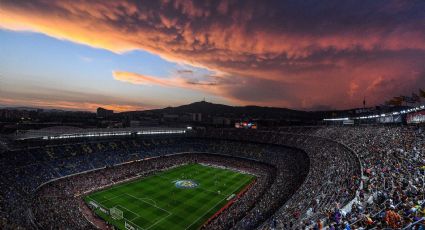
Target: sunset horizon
135,55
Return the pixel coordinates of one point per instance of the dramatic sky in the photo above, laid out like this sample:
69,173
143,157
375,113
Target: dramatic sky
129,55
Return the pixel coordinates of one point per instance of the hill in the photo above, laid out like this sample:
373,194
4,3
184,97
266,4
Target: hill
212,109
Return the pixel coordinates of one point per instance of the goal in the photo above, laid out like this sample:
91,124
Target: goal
116,213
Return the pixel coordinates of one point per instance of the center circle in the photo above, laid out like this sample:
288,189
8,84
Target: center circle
186,184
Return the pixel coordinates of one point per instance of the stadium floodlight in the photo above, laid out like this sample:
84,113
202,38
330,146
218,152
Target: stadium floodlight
337,119
116,213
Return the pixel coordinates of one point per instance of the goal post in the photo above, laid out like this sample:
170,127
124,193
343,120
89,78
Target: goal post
116,213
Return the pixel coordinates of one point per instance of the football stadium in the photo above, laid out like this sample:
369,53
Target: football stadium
212,115
286,178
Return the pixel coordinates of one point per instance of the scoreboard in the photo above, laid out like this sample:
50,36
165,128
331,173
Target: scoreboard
246,125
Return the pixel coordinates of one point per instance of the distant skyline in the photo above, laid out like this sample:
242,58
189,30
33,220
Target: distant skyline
136,55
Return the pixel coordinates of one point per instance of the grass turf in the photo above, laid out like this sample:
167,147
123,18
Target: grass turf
155,202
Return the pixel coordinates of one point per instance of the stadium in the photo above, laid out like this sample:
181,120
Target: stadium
287,178
212,114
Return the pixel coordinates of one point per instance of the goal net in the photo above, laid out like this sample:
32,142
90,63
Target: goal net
116,213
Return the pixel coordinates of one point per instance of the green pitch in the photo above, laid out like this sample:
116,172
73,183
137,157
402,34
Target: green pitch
180,198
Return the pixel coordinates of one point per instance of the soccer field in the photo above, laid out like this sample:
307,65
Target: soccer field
180,198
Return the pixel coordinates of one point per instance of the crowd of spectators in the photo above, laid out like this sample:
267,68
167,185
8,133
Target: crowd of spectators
333,177
393,193
310,177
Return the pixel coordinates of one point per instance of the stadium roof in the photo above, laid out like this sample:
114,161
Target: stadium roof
64,132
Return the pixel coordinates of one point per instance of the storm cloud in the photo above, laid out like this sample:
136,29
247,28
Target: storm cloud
298,54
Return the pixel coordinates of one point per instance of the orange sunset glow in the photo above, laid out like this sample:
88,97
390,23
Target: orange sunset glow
277,53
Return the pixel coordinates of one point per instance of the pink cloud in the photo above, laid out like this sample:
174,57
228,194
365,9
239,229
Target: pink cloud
327,54
68,105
